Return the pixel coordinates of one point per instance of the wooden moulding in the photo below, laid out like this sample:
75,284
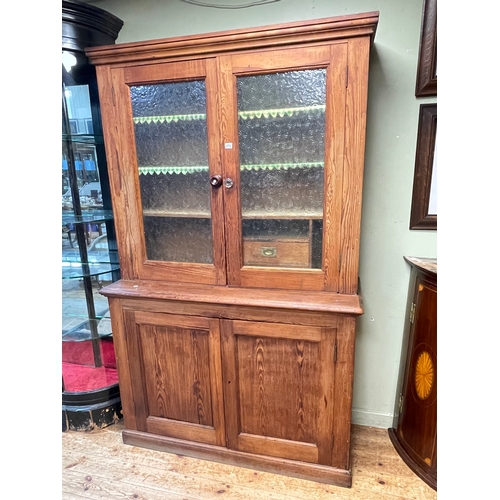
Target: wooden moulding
273,36
293,300
301,470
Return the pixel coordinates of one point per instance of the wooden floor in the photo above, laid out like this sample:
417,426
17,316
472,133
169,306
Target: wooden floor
99,465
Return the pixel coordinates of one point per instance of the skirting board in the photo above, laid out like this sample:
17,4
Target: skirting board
372,419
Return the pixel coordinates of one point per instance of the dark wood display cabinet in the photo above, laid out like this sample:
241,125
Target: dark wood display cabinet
415,434
236,165
90,389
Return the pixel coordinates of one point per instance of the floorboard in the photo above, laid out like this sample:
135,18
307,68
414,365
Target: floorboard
97,465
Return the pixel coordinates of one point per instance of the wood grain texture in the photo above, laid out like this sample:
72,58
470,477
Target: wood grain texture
355,133
167,72
237,312
134,358
276,253
231,169
277,390
123,367
334,163
176,377
98,465
216,168
260,329
243,364
280,60
117,127
292,468
415,435
265,298
194,46
426,84
344,380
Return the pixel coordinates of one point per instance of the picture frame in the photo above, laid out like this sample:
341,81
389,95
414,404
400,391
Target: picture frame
426,84
423,213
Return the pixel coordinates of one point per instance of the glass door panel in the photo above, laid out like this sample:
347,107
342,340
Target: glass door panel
281,136
170,124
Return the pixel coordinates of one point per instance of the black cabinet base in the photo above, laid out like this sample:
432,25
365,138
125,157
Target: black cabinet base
92,410
429,479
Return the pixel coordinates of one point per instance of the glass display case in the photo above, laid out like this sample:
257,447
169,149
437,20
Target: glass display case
90,390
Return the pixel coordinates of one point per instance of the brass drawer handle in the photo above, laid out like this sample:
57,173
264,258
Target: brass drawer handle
268,251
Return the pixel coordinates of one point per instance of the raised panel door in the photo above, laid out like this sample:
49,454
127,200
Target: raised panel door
176,377
278,389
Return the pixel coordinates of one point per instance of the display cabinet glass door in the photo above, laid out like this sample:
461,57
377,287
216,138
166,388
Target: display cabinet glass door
239,162
174,121
285,158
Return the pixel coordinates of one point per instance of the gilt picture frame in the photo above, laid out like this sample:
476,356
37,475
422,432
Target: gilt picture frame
423,213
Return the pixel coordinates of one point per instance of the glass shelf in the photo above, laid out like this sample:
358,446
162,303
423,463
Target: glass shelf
245,115
75,270
87,216
245,215
83,138
84,317
191,169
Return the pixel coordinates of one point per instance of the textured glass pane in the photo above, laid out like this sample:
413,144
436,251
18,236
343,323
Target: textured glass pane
172,152
178,239
281,123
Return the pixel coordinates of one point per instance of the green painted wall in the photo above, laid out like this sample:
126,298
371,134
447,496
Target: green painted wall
390,158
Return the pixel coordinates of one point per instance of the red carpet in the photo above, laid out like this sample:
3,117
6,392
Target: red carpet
78,370
78,378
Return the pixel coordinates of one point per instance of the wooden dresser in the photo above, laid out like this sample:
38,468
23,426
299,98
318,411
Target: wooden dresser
415,434
236,167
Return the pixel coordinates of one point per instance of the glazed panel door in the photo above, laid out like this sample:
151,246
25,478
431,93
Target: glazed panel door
283,140
164,130
278,389
175,371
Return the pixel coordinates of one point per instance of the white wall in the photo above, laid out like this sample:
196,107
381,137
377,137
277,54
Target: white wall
390,159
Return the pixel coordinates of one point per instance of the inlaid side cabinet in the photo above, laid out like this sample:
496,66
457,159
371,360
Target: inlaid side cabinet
236,164
415,434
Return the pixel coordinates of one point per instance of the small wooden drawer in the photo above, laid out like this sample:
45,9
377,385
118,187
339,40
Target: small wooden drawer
277,253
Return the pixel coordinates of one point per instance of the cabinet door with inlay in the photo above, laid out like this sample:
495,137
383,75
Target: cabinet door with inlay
278,389
417,424
175,370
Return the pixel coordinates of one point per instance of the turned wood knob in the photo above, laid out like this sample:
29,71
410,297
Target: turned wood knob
216,180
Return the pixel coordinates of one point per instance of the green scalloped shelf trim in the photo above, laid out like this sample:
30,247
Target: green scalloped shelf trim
172,170
273,113
282,166
189,170
169,118
245,115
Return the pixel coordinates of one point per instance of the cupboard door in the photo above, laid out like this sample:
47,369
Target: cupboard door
417,424
283,140
175,371
174,228
278,389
